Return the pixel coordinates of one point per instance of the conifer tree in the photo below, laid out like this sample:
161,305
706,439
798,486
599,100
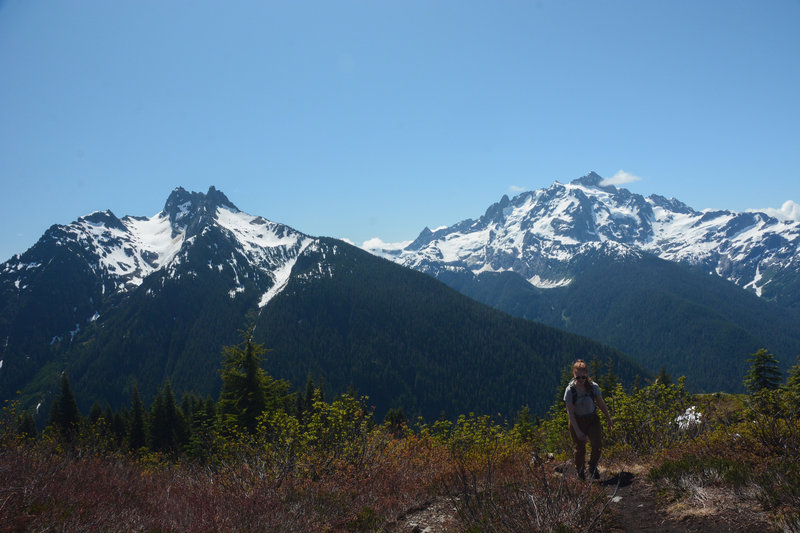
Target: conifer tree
26,426
247,390
566,377
211,408
95,413
137,436
763,373
65,416
608,382
166,422
663,377
793,385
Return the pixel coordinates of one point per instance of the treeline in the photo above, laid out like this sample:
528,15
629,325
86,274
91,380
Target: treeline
193,426
251,402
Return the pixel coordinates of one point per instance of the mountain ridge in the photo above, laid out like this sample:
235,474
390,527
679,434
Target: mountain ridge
117,301
527,256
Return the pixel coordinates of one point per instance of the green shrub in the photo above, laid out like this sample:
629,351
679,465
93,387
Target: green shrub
652,418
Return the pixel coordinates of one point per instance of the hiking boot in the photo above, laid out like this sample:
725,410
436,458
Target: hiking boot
582,474
593,473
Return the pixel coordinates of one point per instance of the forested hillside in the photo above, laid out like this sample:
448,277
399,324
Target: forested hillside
345,317
662,314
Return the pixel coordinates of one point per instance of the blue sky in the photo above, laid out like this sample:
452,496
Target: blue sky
361,119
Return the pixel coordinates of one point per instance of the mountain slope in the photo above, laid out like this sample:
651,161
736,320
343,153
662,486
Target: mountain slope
643,274
149,299
77,274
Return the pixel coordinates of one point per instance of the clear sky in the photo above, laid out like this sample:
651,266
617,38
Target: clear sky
361,119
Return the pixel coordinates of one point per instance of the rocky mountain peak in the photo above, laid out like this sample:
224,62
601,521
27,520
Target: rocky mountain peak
593,179
542,234
188,209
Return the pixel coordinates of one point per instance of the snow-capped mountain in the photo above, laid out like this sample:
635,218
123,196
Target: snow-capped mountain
117,301
689,291
122,253
199,248
540,234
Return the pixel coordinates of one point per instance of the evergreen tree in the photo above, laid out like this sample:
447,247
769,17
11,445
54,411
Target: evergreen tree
26,426
167,429
524,424
305,401
211,408
793,385
566,377
247,390
118,426
137,436
594,368
637,384
763,373
396,420
64,414
608,382
95,413
663,377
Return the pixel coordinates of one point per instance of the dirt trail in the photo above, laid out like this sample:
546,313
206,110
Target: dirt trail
633,507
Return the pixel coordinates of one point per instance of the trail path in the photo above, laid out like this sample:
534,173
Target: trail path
634,509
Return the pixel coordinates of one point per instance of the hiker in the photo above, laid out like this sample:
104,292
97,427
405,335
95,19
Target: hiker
583,397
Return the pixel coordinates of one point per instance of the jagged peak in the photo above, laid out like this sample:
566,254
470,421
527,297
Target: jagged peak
592,179
106,218
182,203
670,203
425,236
217,198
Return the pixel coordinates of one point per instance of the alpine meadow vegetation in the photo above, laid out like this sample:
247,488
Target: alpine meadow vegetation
264,458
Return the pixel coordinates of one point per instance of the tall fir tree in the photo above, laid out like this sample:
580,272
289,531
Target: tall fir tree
247,390
65,416
763,373
793,385
26,426
608,381
167,427
137,435
663,377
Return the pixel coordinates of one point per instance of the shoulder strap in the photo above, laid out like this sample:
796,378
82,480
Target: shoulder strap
574,392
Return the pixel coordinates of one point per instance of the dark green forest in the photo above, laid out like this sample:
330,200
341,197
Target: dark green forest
349,319
661,314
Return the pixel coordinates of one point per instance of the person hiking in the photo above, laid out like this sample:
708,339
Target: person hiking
583,397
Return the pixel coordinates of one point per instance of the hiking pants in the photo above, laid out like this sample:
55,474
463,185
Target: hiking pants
590,426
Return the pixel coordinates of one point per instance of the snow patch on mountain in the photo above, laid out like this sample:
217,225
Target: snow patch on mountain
282,274
541,283
129,249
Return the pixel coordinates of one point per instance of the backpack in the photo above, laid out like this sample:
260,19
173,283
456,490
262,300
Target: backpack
574,391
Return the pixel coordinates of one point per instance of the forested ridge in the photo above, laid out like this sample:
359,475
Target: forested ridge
347,318
661,314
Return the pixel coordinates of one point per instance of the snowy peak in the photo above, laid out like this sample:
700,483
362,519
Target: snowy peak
542,234
249,252
593,180
189,211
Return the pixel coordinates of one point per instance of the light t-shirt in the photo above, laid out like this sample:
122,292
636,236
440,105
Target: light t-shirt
584,405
